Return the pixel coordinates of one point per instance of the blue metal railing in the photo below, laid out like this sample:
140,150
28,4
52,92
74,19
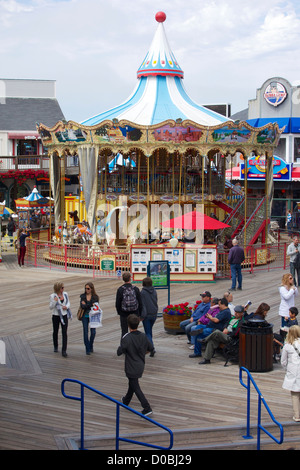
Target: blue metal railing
261,401
118,438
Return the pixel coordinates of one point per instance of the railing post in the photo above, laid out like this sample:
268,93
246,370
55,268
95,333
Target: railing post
35,254
117,426
66,258
82,417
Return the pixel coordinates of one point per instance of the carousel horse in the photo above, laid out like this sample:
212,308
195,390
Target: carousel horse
82,233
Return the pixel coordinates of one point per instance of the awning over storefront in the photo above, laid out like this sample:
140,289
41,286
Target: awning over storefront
23,135
291,124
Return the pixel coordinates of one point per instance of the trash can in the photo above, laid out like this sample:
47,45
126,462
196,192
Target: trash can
256,346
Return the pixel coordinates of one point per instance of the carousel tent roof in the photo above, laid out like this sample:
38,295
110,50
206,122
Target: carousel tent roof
34,195
159,93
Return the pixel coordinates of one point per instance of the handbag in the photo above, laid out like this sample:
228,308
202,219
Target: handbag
80,313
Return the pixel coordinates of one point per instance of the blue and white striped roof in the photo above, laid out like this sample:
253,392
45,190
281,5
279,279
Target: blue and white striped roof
34,195
159,94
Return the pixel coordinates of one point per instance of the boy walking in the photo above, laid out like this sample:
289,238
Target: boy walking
135,345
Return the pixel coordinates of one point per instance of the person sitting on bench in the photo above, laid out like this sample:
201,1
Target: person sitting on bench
217,337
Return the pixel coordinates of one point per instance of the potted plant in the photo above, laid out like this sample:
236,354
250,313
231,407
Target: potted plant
173,315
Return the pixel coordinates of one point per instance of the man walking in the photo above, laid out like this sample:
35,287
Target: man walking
235,258
135,345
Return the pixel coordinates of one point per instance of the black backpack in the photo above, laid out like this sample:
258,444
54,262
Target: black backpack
129,301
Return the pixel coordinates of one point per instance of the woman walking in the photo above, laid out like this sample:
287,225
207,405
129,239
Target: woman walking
290,360
87,300
60,307
288,291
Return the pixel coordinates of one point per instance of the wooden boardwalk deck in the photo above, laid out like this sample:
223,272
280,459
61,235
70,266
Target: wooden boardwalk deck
183,394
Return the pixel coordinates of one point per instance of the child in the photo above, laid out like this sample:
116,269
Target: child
292,320
279,338
135,345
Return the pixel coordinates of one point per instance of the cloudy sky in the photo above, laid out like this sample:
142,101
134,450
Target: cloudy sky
93,48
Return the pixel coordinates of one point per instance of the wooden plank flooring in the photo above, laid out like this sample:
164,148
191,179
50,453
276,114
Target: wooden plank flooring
183,394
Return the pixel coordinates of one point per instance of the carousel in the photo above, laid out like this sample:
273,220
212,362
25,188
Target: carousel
155,157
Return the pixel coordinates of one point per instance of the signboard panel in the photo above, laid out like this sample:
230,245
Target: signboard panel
139,260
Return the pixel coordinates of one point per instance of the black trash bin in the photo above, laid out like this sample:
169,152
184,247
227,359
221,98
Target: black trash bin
256,346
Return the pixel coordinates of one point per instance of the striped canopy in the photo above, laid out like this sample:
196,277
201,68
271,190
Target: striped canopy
34,195
34,200
159,93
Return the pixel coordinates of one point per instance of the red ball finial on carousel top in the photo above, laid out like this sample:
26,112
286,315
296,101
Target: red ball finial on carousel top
160,17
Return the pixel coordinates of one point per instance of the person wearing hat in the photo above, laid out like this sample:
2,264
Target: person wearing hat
217,337
202,309
216,323
204,320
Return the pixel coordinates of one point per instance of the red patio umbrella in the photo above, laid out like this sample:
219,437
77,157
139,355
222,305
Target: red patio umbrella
194,221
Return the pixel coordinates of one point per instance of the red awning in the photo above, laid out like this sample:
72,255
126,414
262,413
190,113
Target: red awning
296,174
23,135
233,173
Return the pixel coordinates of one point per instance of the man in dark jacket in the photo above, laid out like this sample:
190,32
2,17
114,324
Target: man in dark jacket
128,301
235,258
135,345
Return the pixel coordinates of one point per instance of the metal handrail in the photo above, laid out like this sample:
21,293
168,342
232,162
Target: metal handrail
261,401
118,404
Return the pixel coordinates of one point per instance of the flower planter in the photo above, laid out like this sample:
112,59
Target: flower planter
172,322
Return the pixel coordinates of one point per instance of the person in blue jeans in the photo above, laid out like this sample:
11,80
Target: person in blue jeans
216,323
149,309
235,258
186,325
87,299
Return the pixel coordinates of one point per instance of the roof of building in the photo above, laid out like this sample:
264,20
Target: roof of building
159,94
24,113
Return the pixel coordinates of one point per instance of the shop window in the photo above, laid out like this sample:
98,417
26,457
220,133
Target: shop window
297,149
27,147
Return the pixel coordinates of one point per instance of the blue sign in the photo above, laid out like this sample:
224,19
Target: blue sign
256,169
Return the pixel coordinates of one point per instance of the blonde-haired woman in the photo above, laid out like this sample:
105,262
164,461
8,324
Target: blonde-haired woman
290,360
288,291
60,307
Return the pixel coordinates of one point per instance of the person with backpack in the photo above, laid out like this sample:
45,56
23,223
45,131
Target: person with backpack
128,301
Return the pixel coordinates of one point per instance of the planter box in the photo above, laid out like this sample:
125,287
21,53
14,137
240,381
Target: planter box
172,322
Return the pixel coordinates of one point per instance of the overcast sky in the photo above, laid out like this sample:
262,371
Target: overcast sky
93,48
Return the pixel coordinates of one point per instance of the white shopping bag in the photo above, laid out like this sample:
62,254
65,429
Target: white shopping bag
95,316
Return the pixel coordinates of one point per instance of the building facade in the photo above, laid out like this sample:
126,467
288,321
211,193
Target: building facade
24,103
